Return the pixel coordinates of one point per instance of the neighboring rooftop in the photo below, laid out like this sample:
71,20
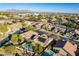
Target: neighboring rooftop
60,44
41,39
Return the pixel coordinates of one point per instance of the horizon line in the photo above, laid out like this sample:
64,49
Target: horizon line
10,10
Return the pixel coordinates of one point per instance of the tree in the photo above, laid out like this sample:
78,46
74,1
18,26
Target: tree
10,49
49,47
57,38
3,28
17,38
38,48
32,18
39,17
30,27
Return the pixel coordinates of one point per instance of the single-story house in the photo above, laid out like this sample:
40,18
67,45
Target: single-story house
65,48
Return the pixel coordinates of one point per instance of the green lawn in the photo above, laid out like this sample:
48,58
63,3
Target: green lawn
17,38
3,28
1,35
10,49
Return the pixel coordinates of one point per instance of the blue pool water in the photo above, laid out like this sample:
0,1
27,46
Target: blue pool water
27,47
48,53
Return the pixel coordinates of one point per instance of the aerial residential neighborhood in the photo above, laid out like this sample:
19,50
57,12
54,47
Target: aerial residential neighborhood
28,33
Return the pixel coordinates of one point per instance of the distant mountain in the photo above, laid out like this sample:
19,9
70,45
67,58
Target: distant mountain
18,11
23,11
29,11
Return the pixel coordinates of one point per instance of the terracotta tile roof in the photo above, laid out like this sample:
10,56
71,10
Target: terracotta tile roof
29,34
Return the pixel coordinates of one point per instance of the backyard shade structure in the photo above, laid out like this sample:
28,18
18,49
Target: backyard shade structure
65,48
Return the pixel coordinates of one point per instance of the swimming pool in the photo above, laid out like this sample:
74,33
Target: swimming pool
27,47
48,53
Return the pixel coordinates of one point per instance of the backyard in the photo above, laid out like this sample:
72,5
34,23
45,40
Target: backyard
3,29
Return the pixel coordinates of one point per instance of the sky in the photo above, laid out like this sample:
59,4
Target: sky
43,7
